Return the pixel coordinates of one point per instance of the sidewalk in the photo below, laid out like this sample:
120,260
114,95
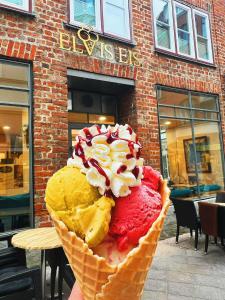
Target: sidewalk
181,273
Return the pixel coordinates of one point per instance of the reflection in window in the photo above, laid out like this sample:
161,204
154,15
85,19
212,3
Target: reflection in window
191,151
14,148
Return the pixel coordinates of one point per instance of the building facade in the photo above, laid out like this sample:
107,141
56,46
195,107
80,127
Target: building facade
158,65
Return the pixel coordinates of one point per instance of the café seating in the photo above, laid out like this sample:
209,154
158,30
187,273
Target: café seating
221,223
208,213
16,280
186,216
220,197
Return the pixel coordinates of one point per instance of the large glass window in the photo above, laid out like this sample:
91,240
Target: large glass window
191,149
110,17
15,192
182,30
18,4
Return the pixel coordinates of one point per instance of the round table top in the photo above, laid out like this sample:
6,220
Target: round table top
43,238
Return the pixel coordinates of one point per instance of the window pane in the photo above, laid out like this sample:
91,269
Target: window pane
116,18
184,42
182,18
14,168
205,115
101,119
84,12
203,48
174,112
173,134
77,118
208,150
173,98
86,102
162,12
163,35
204,102
12,96
17,2
109,105
14,75
201,25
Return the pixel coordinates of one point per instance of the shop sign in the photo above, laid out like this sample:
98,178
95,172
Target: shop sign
86,41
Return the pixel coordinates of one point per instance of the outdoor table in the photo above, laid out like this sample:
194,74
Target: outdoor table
44,238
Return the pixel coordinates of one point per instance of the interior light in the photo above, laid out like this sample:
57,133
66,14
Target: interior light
102,118
6,127
167,123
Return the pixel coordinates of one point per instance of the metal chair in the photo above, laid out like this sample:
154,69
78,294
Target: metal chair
220,197
221,223
208,213
186,216
16,280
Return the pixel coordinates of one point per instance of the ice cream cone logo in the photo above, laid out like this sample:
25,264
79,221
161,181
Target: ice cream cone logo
89,38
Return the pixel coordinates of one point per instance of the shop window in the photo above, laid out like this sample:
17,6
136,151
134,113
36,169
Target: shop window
182,30
109,17
17,4
14,146
191,149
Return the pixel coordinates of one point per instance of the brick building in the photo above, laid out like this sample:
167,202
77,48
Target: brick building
157,65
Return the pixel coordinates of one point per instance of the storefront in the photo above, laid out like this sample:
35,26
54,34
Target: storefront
158,67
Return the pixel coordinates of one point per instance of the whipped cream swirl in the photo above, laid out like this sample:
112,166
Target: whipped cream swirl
110,158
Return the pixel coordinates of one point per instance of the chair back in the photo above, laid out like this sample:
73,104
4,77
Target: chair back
220,197
221,221
208,213
186,214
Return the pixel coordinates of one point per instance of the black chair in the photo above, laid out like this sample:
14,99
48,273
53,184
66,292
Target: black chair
57,259
221,223
186,216
16,280
208,213
220,197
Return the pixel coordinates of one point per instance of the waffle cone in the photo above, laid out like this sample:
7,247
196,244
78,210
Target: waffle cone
97,279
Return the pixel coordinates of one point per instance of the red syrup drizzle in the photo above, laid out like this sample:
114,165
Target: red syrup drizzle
135,171
121,169
96,165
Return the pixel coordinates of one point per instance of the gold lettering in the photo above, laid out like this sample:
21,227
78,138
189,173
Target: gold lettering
122,55
108,50
102,49
136,60
64,40
130,57
75,46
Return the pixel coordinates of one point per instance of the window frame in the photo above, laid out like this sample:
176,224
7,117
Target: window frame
100,23
209,34
171,27
98,18
190,32
175,52
29,107
26,7
192,119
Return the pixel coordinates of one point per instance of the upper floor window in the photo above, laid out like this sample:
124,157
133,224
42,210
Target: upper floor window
182,30
17,4
110,17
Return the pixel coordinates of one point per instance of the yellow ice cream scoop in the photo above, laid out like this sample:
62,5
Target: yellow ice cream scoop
79,205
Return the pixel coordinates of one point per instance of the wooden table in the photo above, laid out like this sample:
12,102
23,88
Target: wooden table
44,238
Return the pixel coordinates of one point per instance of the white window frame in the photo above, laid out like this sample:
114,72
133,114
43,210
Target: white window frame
171,25
191,35
25,6
210,50
127,36
97,16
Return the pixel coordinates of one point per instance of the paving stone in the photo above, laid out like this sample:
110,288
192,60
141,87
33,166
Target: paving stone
156,285
150,295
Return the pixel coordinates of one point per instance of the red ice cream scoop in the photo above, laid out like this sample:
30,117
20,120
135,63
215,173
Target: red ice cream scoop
134,214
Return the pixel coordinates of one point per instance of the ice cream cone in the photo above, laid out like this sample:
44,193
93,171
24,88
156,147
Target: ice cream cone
98,280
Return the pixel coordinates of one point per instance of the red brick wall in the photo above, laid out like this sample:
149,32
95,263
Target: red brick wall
36,40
